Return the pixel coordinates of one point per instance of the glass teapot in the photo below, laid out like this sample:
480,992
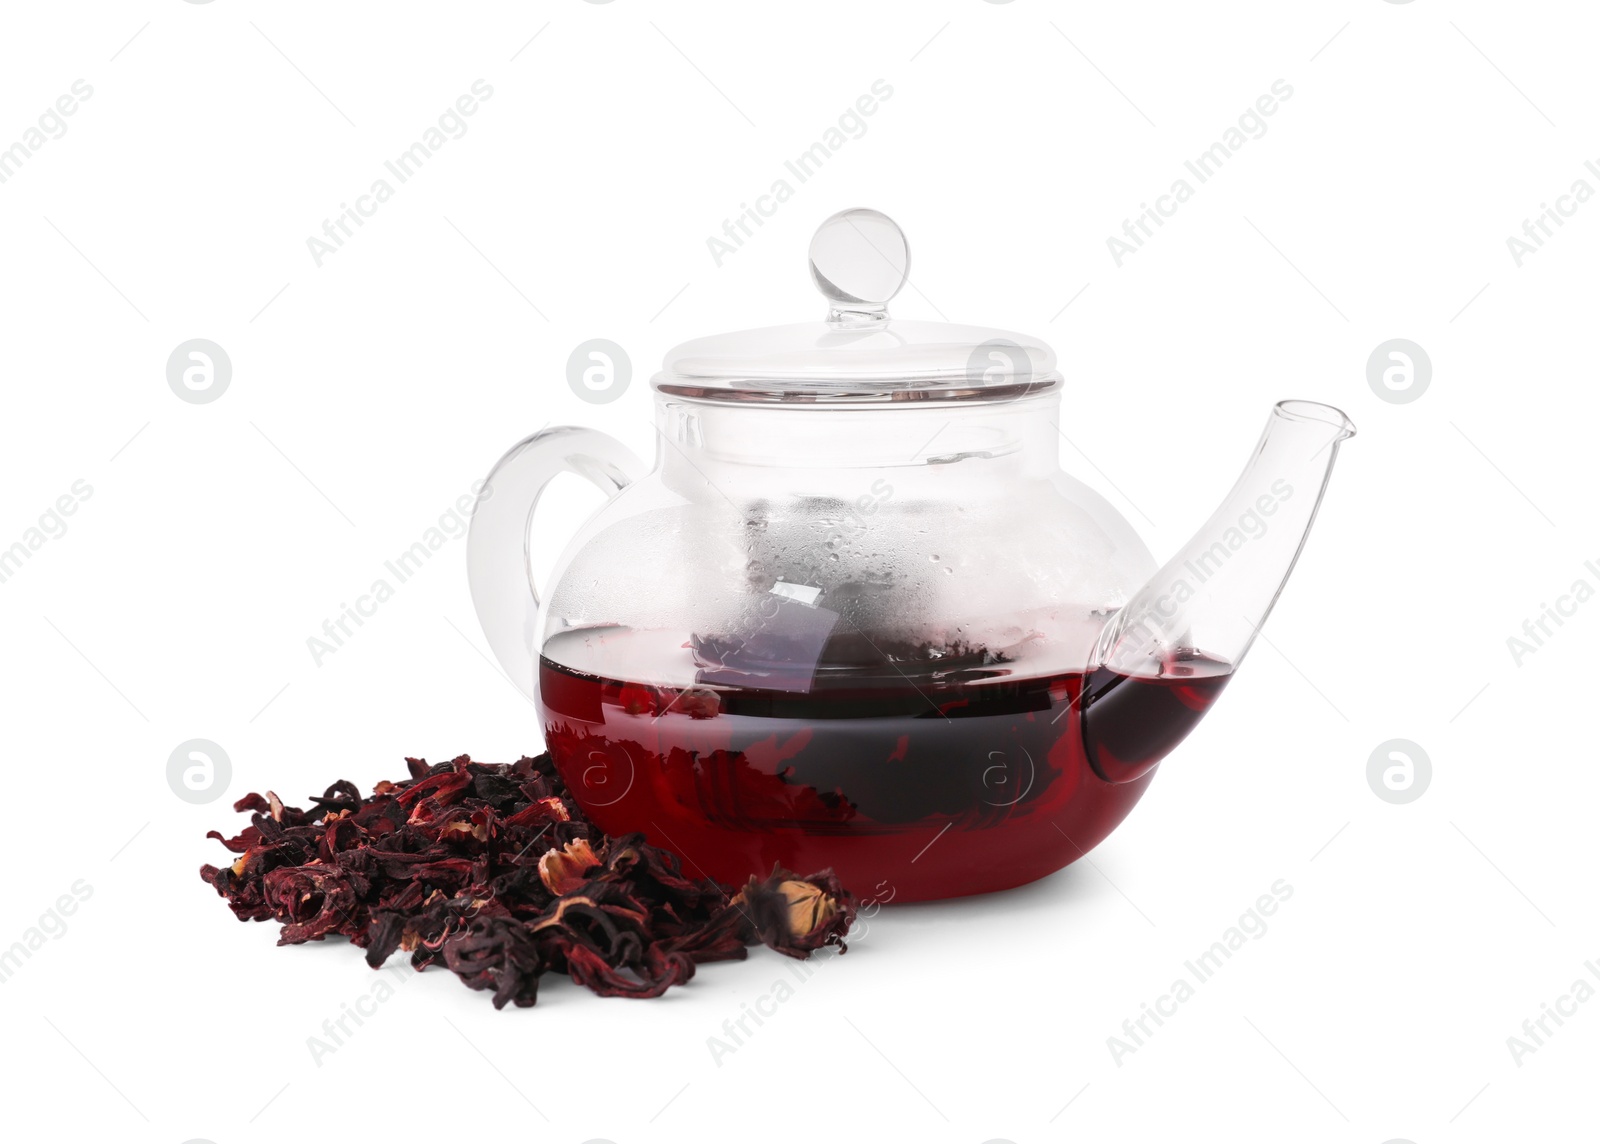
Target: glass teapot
857,616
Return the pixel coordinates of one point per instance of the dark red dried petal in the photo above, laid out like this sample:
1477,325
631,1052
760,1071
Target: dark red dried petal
493,871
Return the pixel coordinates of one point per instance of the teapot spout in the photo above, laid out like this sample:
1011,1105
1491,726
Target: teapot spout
1201,612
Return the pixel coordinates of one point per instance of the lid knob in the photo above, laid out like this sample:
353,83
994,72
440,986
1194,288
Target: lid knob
859,260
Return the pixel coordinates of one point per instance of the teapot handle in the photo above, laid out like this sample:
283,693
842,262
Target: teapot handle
499,544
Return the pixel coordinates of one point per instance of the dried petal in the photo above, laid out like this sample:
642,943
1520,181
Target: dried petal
566,869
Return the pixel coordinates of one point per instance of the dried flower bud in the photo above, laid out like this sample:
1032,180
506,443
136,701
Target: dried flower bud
698,703
566,869
810,908
797,915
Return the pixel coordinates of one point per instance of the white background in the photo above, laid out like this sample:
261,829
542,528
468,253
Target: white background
369,393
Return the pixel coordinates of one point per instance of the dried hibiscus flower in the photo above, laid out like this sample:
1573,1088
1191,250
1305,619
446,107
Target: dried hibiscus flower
493,871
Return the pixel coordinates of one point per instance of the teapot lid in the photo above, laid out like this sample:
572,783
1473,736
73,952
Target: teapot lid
859,261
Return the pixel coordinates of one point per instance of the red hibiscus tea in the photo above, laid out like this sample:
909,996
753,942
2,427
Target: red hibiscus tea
911,783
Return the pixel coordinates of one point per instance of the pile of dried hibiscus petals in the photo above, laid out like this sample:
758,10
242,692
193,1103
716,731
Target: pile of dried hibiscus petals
493,870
